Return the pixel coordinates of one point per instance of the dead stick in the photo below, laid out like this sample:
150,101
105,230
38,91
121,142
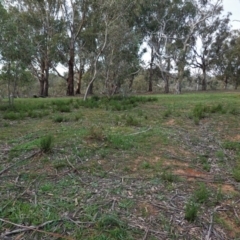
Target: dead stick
139,132
146,234
33,228
211,224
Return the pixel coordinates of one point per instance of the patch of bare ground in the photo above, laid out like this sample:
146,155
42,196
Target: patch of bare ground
234,138
136,164
225,188
174,163
179,151
190,173
170,122
230,221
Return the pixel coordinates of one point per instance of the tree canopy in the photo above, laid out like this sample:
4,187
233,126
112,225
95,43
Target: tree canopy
103,39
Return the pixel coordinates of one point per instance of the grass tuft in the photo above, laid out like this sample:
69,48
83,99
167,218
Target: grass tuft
191,211
46,144
201,194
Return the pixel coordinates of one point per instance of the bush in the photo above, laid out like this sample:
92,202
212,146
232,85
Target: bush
169,176
200,111
58,119
46,144
63,108
96,133
131,121
13,116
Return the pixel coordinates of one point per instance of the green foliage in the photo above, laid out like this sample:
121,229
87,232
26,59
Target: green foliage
169,176
126,203
63,108
118,141
115,103
146,165
220,155
109,220
201,194
96,133
47,187
167,113
131,121
232,145
37,114
201,111
233,111
219,108
46,143
219,195
13,116
236,174
191,211
204,161
59,119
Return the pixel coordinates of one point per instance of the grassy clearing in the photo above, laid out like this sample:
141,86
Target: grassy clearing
121,168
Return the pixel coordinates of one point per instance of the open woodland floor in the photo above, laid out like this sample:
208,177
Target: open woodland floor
150,167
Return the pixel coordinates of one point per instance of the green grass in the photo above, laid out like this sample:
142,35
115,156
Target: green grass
112,168
191,211
201,194
46,143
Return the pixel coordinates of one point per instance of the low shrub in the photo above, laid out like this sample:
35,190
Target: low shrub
46,143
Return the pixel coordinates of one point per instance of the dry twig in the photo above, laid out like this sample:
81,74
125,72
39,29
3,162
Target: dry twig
33,228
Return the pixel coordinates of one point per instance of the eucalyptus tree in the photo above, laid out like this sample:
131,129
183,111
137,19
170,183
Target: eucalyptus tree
178,22
74,13
43,26
120,59
228,61
112,40
201,11
161,37
15,51
211,35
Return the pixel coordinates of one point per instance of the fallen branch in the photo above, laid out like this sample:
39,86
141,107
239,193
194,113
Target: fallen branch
33,228
75,170
208,237
140,132
146,234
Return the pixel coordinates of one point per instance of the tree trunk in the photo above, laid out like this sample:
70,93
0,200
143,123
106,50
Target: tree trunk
204,80
166,79
90,91
46,82
131,83
42,79
179,79
150,84
225,82
46,85
70,79
236,83
166,85
78,91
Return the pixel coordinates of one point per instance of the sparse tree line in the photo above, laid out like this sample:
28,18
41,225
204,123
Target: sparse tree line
99,42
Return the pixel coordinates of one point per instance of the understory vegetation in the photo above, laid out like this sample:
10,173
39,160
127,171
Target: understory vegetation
138,167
